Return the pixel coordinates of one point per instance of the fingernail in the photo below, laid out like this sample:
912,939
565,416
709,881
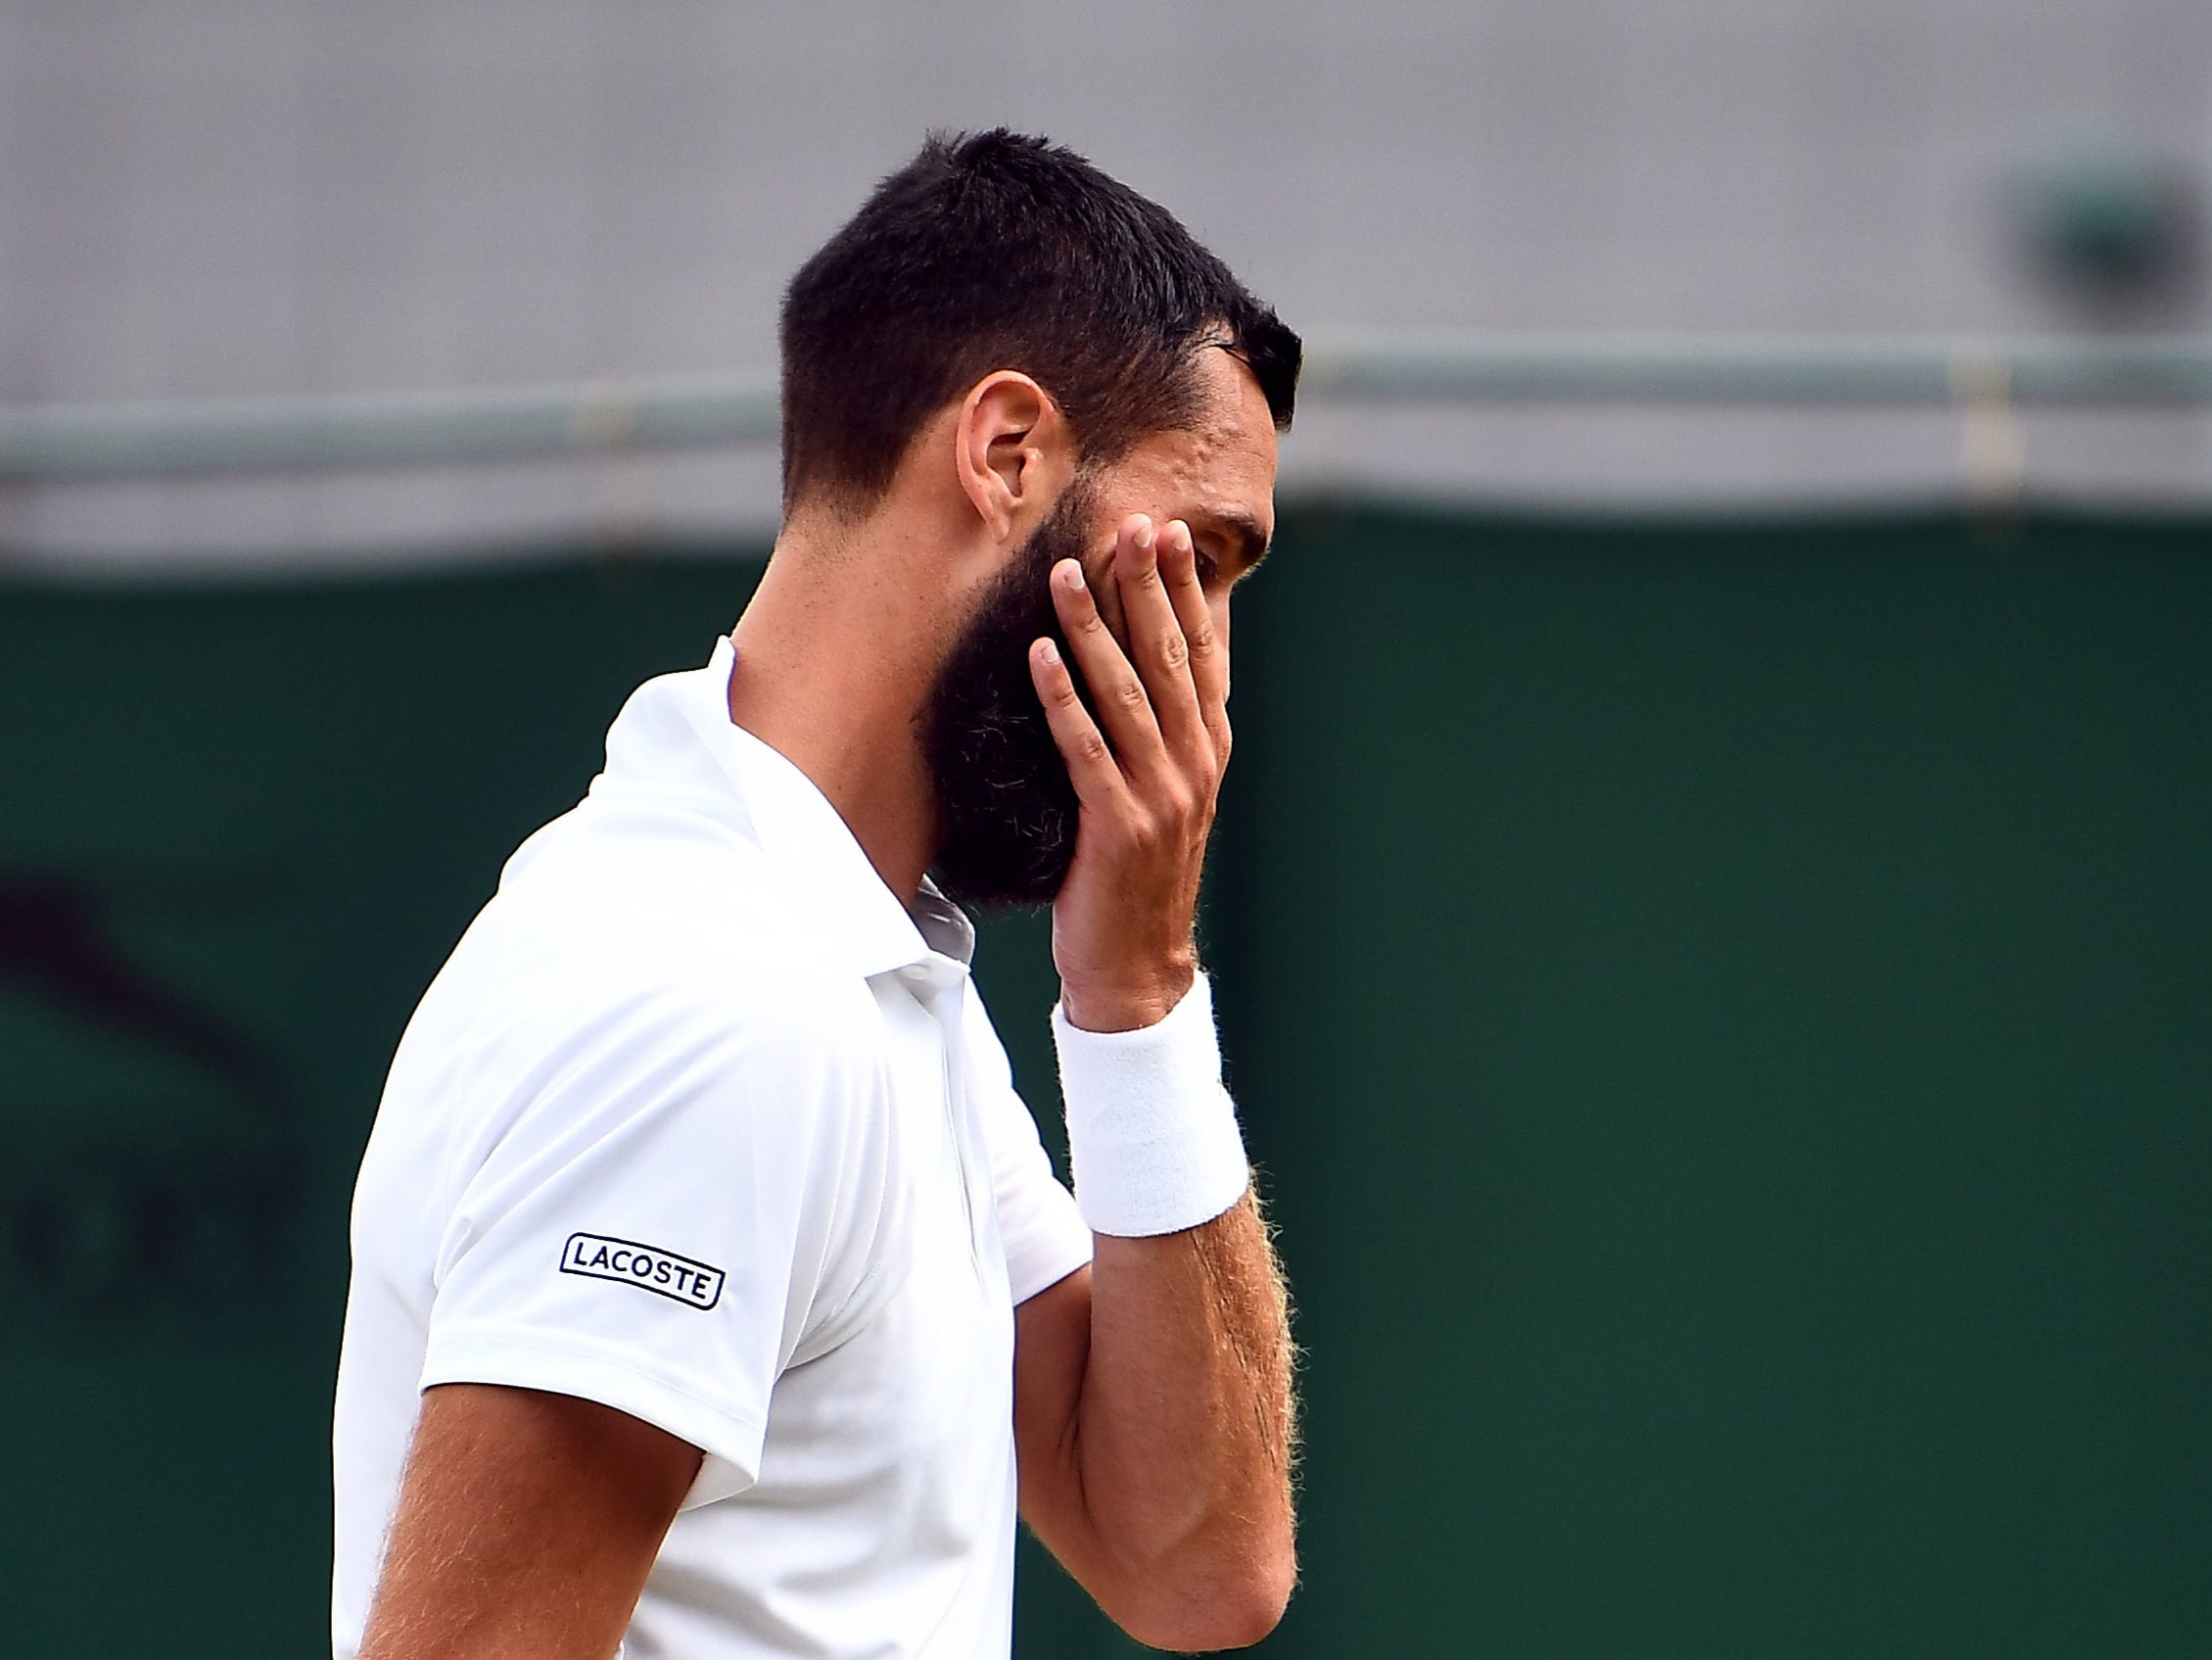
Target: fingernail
1050,652
1075,576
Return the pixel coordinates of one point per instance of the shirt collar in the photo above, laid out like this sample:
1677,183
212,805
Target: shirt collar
785,815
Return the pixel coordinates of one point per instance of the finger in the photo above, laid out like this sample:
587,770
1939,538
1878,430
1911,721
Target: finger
1091,767
1104,589
1205,644
1156,645
1124,711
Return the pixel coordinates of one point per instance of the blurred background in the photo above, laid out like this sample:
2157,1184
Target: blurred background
1712,908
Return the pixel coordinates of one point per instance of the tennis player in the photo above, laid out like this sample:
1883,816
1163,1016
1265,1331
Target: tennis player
712,1294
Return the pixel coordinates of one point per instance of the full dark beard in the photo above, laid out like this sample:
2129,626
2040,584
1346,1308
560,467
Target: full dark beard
1008,809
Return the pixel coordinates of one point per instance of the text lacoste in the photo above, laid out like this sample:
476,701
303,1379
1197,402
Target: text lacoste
662,1272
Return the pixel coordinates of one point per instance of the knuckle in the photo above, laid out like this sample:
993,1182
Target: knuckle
1130,695
1175,651
1091,747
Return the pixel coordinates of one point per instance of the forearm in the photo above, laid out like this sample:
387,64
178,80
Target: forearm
1184,1430
1155,1409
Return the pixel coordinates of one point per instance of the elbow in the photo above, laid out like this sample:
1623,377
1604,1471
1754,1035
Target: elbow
1256,1608
1230,1610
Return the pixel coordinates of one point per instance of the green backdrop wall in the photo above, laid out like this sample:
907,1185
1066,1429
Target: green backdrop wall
1725,1012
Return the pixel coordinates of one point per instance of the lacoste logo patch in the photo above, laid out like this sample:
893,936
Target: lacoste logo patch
663,1273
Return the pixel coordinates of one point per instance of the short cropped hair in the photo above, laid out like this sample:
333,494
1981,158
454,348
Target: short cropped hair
1000,250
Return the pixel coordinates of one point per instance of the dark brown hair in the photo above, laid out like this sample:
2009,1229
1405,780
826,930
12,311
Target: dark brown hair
999,251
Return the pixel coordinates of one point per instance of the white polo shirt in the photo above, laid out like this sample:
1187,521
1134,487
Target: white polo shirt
700,1123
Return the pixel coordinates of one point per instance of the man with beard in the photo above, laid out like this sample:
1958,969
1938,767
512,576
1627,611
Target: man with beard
712,1294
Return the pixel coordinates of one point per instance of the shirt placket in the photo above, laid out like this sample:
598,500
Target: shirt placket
941,988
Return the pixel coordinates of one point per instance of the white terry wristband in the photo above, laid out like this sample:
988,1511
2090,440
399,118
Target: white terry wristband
1150,1131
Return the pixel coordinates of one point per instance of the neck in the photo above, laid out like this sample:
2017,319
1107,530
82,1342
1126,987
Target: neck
835,657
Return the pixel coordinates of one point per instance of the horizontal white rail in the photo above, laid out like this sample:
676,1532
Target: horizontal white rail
56,443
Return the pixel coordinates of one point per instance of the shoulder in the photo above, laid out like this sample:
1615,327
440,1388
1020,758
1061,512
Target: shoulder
671,991
679,918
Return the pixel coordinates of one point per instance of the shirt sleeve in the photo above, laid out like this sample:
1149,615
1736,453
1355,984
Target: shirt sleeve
1046,1238
647,1219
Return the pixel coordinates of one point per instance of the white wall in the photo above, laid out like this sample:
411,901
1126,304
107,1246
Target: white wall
214,196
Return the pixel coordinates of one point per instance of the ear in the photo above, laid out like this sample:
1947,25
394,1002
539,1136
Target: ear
1011,448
